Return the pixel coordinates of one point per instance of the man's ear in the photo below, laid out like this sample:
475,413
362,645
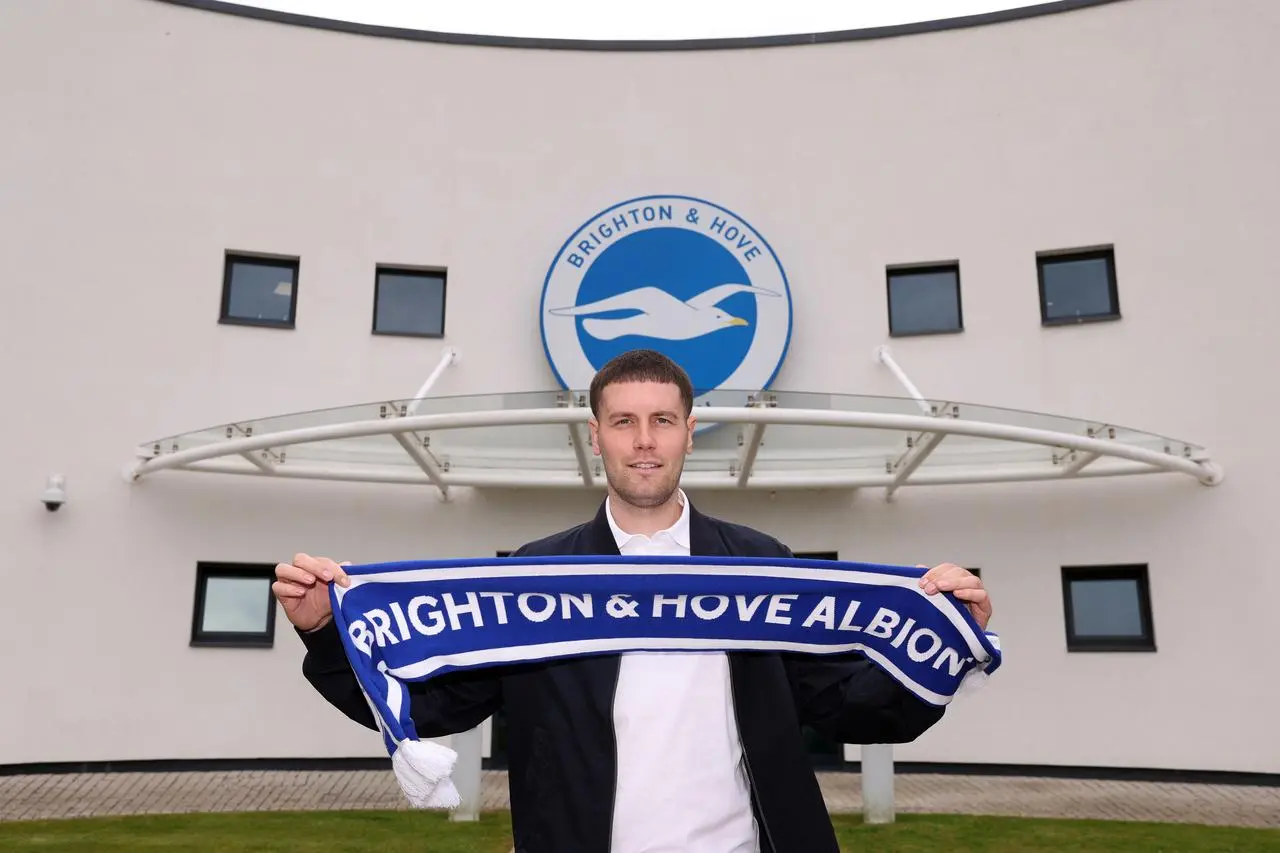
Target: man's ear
688,445
594,426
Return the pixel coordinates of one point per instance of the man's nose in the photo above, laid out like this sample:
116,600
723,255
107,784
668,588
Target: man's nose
644,436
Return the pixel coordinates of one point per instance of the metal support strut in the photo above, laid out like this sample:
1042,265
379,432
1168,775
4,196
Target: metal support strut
922,444
886,358
448,357
578,438
749,444
412,443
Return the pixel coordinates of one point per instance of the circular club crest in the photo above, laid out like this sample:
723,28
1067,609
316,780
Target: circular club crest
676,274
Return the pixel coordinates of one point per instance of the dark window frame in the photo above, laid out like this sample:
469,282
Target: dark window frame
923,269
293,264
400,269
207,570
1137,572
816,555
1106,253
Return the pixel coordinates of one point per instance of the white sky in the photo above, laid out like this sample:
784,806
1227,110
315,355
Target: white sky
647,19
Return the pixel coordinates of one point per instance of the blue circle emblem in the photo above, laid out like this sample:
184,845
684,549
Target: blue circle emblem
677,274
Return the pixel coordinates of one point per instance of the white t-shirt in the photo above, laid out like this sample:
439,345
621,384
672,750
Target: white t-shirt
682,785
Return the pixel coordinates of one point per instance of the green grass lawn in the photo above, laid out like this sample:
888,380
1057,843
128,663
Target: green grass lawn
402,832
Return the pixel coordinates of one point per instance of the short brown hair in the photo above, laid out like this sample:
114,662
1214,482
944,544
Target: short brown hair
641,365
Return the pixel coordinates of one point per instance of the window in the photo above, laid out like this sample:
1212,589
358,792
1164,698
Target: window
234,606
924,300
1108,609
259,291
1077,287
409,302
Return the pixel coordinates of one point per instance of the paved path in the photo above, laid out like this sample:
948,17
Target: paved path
86,794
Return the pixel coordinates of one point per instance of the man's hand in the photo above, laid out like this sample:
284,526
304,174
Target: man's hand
302,588
962,583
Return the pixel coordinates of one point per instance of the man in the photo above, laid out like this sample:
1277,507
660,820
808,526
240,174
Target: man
652,752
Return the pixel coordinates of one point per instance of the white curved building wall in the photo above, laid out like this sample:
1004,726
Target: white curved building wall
144,140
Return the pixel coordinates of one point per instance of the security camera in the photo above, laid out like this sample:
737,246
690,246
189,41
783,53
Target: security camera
55,493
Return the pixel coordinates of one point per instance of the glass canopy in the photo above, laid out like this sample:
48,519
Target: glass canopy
745,439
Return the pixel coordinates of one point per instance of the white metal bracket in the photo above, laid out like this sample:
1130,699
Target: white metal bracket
262,459
416,445
578,438
883,356
447,357
750,439
920,445
1072,462
413,445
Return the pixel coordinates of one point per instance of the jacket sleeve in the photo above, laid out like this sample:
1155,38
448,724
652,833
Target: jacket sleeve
850,699
440,706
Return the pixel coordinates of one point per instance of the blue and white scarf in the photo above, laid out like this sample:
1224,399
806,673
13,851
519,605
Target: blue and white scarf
411,621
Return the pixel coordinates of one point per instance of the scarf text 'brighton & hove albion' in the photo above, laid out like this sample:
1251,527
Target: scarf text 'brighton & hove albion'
410,621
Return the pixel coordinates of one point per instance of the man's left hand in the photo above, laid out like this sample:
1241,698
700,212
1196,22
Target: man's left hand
964,585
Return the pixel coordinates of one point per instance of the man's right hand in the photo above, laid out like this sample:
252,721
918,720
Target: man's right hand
302,588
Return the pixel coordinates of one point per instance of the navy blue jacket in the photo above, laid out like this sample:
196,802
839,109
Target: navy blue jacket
561,749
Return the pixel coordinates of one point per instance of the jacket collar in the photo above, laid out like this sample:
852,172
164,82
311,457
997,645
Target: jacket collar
704,539
678,532
599,535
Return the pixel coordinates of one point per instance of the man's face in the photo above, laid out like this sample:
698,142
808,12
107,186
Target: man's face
642,434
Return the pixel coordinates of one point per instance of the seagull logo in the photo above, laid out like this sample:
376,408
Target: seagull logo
674,273
658,314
